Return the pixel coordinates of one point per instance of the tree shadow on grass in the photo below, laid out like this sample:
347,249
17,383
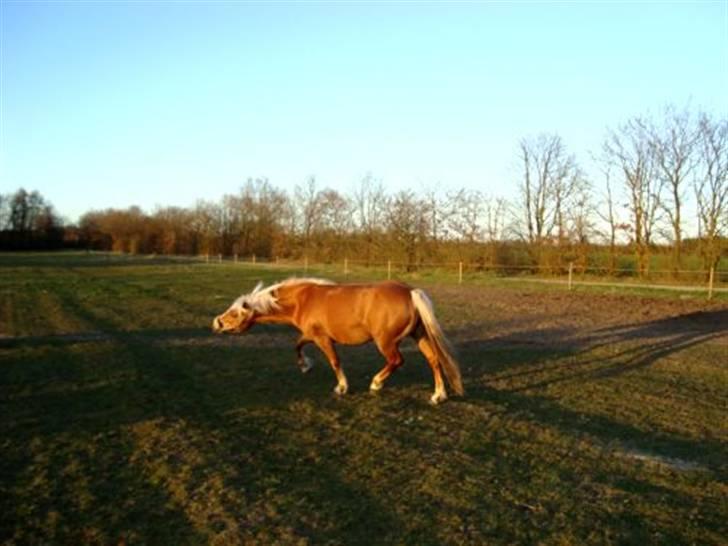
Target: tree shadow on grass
80,490
521,370
634,346
707,452
196,384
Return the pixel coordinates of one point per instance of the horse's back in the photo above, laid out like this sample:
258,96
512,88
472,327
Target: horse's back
363,297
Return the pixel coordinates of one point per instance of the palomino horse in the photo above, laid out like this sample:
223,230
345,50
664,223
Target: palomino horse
327,313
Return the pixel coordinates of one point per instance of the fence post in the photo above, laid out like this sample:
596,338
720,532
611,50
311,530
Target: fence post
207,258
253,258
305,264
276,260
346,266
389,270
219,258
711,279
460,273
236,258
571,273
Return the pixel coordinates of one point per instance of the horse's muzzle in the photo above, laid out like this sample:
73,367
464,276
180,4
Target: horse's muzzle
217,325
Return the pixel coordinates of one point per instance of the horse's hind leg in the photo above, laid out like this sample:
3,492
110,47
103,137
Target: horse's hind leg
394,360
327,347
304,363
440,394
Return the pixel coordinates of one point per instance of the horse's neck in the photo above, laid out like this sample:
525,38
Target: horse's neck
289,301
275,317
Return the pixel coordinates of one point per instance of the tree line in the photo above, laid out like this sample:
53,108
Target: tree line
658,177
29,222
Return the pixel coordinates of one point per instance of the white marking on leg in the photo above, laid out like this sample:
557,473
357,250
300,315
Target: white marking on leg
341,388
438,398
305,364
375,385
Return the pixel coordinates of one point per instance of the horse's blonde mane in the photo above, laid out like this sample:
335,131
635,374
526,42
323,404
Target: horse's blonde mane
303,280
263,300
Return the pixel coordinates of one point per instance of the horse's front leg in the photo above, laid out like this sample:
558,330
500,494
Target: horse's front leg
304,363
327,347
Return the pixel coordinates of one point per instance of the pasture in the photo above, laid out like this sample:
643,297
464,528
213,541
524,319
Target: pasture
590,417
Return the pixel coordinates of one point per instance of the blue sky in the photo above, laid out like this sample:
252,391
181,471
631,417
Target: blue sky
109,104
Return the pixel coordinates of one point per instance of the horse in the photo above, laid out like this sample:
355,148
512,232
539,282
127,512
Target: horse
327,313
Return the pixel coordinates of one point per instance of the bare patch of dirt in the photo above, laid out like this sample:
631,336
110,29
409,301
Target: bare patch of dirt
659,460
561,318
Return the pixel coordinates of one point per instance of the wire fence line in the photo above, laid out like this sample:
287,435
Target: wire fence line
571,275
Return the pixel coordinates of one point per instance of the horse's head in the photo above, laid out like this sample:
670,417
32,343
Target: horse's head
242,313
236,320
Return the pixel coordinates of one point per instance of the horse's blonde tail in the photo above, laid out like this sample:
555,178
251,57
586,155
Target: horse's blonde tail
438,340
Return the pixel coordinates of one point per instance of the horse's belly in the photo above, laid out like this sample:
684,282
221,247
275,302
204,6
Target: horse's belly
351,335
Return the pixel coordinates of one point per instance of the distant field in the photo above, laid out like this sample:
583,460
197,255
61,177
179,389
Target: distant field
590,417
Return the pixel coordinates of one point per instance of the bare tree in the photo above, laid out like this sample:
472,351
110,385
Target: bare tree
495,211
370,204
269,205
630,152
335,212
609,215
20,213
335,223
175,235
233,219
711,186
571,202
308,203
673,145
436,210
206,226
550,179
494,217
580,222
406,225
580,216
464,220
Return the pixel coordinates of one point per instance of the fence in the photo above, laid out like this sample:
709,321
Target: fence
714,281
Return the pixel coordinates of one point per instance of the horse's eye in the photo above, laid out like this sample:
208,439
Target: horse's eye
245,305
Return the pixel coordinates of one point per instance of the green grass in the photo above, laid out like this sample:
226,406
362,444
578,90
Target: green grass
124,418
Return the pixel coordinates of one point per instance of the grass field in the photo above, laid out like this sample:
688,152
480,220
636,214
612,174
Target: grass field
590,417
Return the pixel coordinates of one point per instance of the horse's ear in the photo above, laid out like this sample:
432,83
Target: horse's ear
257,287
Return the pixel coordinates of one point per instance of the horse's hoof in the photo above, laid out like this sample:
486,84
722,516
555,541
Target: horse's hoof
438,398
375,387
340,390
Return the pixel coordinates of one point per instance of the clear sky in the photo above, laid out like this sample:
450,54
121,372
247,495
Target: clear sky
109,104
